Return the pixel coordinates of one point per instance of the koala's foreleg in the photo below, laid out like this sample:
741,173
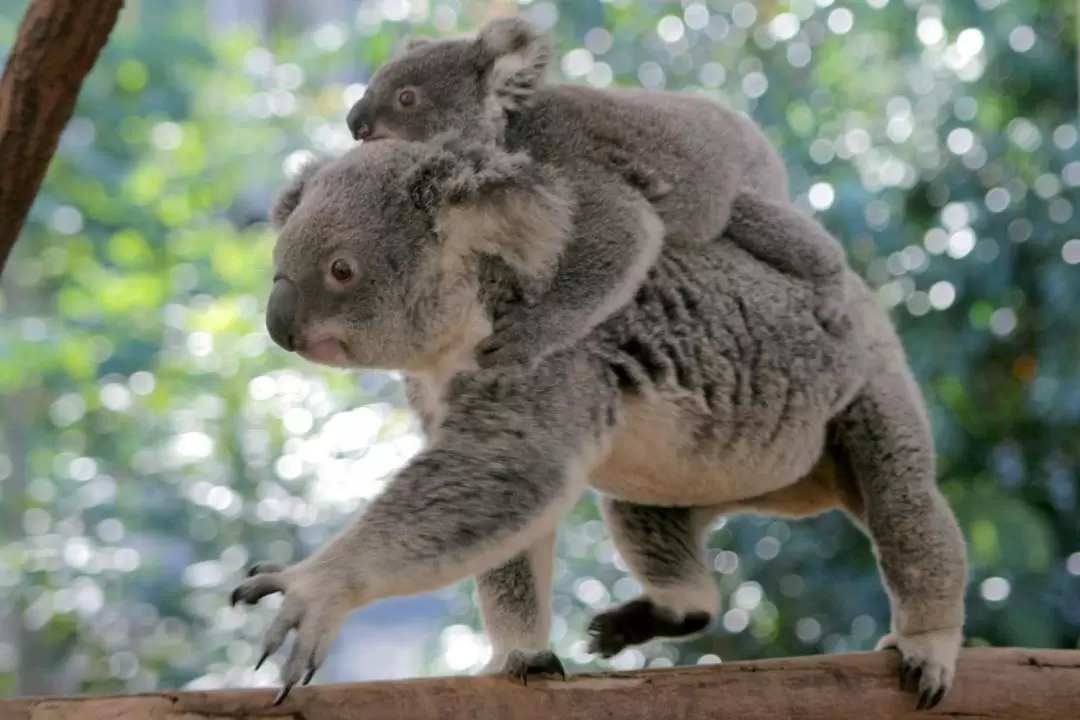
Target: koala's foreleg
885,437
514,601
780,235
664,548
509,460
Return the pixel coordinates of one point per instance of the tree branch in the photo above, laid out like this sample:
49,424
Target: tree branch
58,43
991,684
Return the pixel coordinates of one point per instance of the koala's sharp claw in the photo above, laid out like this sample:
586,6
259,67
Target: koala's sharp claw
521,664
905,671
255,588
282,694
308,675
265,655
936,700
264,568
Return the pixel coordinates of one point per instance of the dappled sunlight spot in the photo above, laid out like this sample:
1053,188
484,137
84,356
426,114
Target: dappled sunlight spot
863,628
77,552
188,447
626,588
463,648
748,596
995,589
736,620
726,562
767,548
591,592
1070,251
629,659
352,430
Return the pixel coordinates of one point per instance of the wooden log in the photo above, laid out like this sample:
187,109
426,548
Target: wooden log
58,43
991,684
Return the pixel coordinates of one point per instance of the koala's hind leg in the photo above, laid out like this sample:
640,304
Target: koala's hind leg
780,235
514,604
664,549
885,441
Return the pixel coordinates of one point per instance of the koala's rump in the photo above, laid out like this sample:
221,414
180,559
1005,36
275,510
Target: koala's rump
727,381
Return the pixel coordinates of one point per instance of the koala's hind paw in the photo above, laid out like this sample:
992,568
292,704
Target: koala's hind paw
928,660
521,664
315,607
638,622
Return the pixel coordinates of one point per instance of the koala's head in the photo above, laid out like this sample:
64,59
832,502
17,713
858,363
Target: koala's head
376,262
462,83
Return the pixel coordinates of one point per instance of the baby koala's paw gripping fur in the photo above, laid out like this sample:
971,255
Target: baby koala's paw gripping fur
316,605
523,664
520,336
928,660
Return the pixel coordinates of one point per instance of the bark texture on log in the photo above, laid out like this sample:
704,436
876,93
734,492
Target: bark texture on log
58,43
991,684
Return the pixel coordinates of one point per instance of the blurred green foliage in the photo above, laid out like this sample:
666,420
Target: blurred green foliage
154,440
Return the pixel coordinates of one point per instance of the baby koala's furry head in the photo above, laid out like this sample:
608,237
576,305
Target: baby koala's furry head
464,84
376,262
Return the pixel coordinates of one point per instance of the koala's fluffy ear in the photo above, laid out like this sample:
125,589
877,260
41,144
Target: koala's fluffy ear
515,53
289,196
407,44
485,200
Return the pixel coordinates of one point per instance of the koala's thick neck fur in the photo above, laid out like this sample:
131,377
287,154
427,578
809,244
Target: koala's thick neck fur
714,390
647,169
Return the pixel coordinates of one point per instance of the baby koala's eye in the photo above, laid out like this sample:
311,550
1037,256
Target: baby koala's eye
406,97
342,271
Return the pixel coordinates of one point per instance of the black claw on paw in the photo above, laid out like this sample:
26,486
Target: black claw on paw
262,659
282,694
308,675
637,622
929,698
522,664
266,567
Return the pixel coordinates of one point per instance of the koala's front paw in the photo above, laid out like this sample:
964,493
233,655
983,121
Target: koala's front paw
517,339
315,606
521,664
927,659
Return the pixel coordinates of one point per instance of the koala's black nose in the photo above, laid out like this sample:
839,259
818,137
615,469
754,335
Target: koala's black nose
281,313
359,119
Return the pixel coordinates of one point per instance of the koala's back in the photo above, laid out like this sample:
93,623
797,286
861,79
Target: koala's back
688,155
727,381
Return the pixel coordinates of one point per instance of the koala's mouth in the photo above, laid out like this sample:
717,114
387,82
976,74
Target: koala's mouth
326,351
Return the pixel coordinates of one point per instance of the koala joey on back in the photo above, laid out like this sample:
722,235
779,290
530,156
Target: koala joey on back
713,390
686,167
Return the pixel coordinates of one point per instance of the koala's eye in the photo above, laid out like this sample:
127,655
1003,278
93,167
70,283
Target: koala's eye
342,271
406,97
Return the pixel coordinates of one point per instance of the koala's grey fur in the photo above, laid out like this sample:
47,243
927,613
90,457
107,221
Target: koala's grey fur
714,390
683,165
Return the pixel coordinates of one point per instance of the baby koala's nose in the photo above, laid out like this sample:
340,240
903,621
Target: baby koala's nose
359,120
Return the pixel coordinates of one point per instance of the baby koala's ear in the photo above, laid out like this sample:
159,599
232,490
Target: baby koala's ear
485,200
409,43
515,54
288,198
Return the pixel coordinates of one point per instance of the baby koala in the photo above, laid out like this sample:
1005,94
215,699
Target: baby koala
647,168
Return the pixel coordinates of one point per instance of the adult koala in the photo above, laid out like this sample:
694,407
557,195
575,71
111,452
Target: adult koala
715,390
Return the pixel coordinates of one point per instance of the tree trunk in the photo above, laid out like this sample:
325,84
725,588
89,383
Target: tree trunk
58,43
